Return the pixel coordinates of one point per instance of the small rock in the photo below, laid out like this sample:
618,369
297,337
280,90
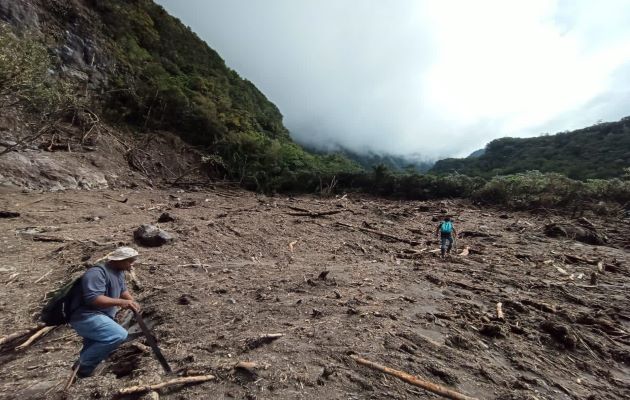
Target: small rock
185,204
560,333
492,330
166,217
323,275
151,236
9,214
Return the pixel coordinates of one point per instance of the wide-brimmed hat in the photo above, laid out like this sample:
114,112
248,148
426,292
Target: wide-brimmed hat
121,253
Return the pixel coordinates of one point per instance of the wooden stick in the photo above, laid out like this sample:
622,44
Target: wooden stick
413,380
179,381
43,276
73,375
34,337
500,311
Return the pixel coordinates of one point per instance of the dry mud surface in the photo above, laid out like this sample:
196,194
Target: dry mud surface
232,276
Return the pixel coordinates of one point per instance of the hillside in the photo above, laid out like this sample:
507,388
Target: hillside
132,66
599,151
115,115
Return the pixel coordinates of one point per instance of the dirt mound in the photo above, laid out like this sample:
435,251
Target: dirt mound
363,280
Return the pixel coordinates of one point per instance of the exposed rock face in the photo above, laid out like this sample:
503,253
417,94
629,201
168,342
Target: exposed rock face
37,170
81,57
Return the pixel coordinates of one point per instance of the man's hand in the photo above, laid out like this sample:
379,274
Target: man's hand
130,305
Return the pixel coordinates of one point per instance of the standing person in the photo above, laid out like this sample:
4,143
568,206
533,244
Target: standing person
103,292
446,230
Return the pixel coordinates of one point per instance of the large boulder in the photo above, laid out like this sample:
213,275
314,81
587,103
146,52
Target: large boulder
151,236
580,233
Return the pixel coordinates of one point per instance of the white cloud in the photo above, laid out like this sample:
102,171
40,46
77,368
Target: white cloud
434,77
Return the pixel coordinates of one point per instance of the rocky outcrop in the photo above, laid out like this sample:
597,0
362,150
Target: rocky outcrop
36,170
19,13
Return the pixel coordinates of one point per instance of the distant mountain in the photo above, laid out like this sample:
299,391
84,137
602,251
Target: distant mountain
599,151
370,159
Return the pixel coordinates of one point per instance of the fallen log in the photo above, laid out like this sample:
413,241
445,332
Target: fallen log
264,339
40,333
465,234
248,366
46,238
414,380
539,305
303,212
178,381
382,234
9,214
17,335
572,259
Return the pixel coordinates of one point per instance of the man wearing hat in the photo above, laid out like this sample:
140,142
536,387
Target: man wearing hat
103,292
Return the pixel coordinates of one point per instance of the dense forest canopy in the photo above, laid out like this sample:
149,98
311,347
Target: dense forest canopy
599,151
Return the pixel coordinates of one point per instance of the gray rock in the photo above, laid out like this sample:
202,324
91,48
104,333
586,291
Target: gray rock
151,236
166,217
22,14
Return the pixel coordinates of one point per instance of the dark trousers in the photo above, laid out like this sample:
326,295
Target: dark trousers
446,238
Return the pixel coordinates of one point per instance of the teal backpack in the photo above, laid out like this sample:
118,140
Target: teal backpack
447,227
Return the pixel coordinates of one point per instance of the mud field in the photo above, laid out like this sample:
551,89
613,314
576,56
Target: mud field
321,273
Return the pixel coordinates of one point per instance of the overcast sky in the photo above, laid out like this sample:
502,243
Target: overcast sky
435,77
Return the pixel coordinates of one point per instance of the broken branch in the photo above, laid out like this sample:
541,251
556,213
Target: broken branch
179,381
16,335
264,339
43,276
414,380
34,337
302,212
383,234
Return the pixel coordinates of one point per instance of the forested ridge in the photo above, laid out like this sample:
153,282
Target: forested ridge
600,151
